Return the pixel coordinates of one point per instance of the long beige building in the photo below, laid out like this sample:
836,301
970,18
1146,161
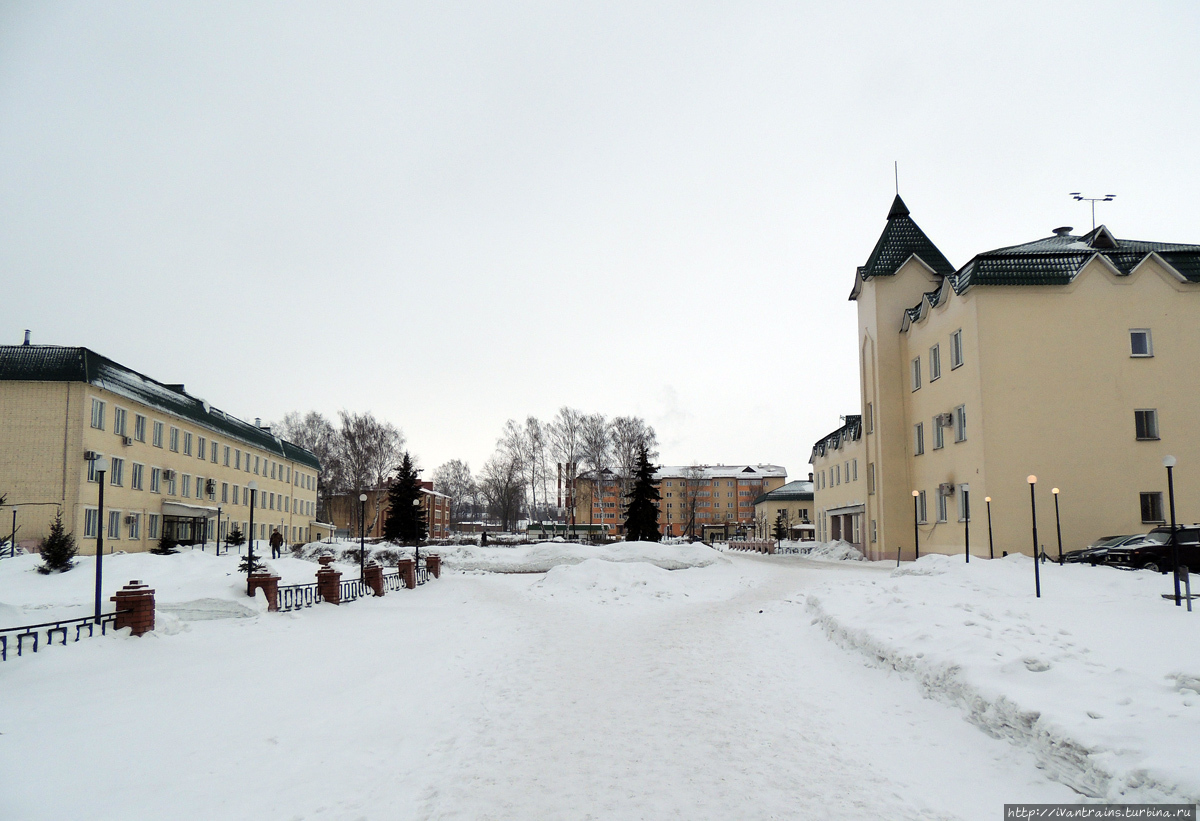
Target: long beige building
840,484
1071,358
175,462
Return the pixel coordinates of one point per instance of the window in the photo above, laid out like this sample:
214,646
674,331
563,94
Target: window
272,470
918,439
187,444
187,485
916,374
116,472
226,459
139,427
964,502
956,350
175,439
1152,507
214,453
91,518
941,507
224,492
870,477
1139,342
152,525
114,524
921,510
133,526
237,459
1146,423
200,487
255,464
158,431
235,495
870,418
135,476
939,433
201,447
97,414
119,416
92,470
874,532
935,362
171,484
155,480
854,462
960,423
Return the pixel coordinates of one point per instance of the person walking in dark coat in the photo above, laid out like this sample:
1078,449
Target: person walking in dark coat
276,544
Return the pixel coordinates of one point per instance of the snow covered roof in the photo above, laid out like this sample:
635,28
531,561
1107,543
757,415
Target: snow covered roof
798,491
720,472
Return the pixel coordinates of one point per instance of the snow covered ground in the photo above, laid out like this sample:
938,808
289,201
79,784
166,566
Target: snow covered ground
605,687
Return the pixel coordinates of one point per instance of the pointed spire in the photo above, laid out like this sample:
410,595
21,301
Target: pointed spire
899,209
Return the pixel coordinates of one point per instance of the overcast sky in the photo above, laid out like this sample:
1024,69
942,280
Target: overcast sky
451,214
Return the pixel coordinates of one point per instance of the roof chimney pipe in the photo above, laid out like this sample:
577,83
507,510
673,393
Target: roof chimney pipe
27,336
258,421
1065,231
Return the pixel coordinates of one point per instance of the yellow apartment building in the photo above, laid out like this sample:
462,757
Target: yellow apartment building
694,497
840,482
795,501
176,463
1071,358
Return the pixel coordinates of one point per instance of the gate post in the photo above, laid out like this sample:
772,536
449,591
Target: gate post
329,581
139,599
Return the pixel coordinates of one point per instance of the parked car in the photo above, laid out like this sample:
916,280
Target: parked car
1156,552
1096,551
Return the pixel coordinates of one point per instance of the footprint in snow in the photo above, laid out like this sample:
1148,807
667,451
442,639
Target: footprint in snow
1036,665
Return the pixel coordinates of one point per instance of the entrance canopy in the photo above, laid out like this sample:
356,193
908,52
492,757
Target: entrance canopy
188,511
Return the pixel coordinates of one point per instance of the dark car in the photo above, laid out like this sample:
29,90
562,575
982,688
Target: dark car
1096,552
1157,552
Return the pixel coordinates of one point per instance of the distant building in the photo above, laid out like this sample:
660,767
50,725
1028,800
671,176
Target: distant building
694,497
839,483
795,501
1071,358
175,461
345,509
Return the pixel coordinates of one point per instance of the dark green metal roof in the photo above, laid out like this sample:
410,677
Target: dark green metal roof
798,491
850,431
901,239
52,363
1057,260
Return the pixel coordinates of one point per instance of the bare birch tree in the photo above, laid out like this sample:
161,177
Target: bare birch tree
454,478
370,450
503,488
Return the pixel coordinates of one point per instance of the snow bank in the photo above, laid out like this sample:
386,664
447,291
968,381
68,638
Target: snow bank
607,582
837,551
544,556
1100,678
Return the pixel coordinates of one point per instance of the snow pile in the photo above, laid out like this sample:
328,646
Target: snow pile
607,582
1100,678
544,556
838,551
189,585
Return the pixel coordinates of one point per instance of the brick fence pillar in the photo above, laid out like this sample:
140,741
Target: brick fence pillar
329,581
269,584
373,576
408,572
139,599
434,565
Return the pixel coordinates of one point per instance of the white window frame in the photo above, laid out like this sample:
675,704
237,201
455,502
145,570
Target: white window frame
935,363
120,420
133,528
1133,353
916,374
939,434
91,517
964,501
114,518
960,423
922,508
918,439
174,439
870,417
116,471
136,476
870,478
942,507
98,413
1152,435
158,434
187,443
152,526
155,480
139,427
956,349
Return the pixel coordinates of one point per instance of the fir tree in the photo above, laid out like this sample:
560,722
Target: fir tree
235,538
641,514
165,547
58,549
405,522
780,527
244,565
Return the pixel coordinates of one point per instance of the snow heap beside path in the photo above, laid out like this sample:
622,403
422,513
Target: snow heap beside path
837,551
1100,678
544,556
603,581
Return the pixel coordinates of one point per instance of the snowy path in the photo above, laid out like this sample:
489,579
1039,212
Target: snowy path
482,697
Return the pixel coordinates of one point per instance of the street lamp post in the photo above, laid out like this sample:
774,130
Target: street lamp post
991,547
253,488
916,519
362,537
967,521
1057,524
1169,464
100,468
217,539
417,542
12,542
1037,577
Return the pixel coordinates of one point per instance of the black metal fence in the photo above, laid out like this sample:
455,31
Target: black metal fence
30,635
393,582
297,596
354,589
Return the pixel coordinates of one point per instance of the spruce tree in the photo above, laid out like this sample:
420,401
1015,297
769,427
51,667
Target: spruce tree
780,527
165,547
405,522
641,514
235,537
58,549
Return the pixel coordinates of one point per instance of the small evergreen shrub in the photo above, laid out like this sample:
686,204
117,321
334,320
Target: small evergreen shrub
58,549
165,547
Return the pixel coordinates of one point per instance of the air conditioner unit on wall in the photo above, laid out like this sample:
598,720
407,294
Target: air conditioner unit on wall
169,475
946,489
945,419
131,519
127,440
90,456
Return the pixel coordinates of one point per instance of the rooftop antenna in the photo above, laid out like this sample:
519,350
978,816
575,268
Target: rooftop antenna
896,169
1093,200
